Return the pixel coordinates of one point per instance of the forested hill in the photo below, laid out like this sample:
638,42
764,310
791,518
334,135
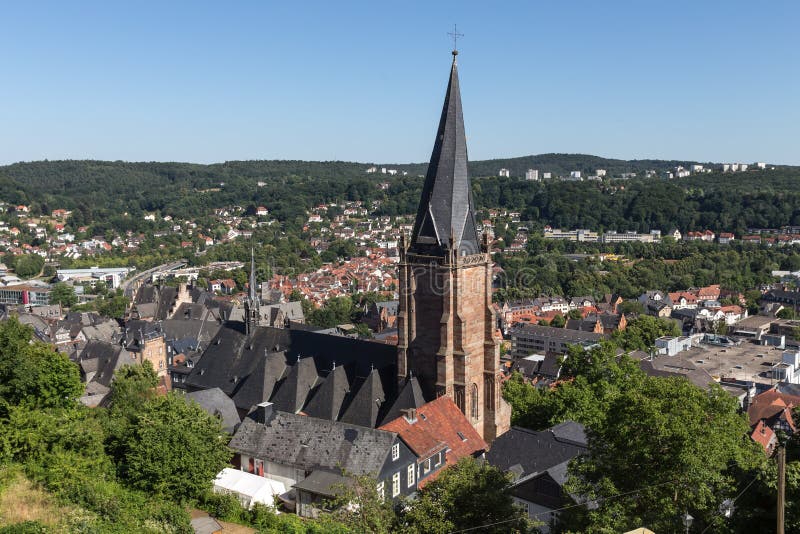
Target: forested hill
102,192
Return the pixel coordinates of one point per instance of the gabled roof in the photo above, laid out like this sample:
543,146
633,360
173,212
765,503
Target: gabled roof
259,385
438,424
772,404
366,407
296,388
329,400
410,397
309,443
215,402
531,452
446,207
100,359
764,436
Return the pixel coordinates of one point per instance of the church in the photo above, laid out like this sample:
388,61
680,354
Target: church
446,337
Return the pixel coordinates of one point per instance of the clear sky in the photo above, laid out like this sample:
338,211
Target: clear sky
708,80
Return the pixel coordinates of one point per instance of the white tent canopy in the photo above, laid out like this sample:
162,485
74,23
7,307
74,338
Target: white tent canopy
250,488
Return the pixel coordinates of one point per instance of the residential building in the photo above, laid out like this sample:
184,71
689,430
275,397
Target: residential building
537,463
438,434
308,453
528,338
547,175
532,174
600,172
656,303
725,238
504,173
774,408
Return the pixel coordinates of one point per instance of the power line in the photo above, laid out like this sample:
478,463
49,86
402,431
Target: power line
601,499
711,523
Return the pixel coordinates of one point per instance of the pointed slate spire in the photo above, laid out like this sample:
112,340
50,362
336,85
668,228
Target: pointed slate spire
253,295
445,218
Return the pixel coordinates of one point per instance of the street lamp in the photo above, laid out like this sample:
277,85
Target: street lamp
726,508
687,521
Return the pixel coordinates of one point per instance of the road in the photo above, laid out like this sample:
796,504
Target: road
135,279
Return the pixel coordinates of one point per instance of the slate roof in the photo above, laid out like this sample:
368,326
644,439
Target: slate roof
99,360
309,443
295,390
369,402
259,385
446,206
216,403
329,400
326,483
290,366
532,452
166,299
410,396
534,487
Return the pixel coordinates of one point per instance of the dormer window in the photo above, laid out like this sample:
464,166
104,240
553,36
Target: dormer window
462,436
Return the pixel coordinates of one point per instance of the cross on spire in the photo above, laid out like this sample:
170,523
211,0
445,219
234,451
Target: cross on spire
455,35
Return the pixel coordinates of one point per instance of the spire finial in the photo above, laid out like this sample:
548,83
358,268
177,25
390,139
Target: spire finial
455,35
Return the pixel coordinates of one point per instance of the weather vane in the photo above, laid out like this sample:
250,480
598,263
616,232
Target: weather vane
455,35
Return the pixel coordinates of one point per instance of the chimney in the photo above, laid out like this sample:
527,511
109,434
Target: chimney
410,415
263,412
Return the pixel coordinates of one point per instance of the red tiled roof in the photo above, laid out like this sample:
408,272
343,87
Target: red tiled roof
764,436
437,426
770,404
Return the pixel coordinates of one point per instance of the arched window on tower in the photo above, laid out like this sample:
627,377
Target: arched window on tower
474,404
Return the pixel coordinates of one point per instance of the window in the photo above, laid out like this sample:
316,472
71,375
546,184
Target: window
395,451
438,459
474,404
380,490
396,484
426,467
411,472
462,436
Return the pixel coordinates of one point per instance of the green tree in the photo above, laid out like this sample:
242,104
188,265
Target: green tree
63,294
642,332
631,307
465,496
28,265
676,446
558,321
32,373
175,449
359,507
114,306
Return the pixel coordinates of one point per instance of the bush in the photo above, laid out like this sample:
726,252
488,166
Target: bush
26,527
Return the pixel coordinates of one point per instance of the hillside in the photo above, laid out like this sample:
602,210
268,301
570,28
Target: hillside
116,194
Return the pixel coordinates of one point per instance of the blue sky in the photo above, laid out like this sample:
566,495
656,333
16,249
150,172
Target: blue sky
213,81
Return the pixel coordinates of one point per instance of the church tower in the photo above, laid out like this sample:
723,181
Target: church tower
445,316
252,305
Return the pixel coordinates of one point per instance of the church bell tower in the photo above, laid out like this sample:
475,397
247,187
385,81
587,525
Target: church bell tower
445,318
